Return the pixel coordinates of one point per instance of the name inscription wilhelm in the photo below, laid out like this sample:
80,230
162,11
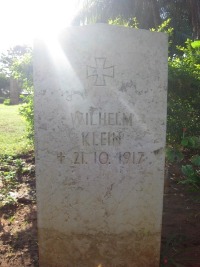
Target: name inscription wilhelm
102,118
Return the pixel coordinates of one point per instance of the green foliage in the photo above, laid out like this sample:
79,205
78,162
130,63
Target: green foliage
23,70
7,102
132,23
13,54
191,171
184,92
27,111
195,44
8,180
11,169
191,142
17,62
195,160
19,163
165,27
188,62
174,154
13,127
192,176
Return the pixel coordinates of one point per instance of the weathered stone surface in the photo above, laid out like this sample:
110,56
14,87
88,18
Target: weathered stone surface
100,121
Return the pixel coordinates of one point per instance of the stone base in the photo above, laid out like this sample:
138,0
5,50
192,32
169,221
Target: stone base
100,250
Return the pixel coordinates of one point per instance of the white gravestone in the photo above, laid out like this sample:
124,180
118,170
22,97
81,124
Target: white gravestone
100,122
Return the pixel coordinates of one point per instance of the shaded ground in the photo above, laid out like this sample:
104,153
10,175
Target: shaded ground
181,224
18,224
181,227
180,232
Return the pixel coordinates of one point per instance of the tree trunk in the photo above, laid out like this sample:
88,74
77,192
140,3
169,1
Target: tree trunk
156,13
14,91
194,7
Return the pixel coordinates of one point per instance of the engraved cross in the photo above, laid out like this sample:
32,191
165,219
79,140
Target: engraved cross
60,156
100,71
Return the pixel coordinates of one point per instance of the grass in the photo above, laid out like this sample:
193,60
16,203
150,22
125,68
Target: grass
12,131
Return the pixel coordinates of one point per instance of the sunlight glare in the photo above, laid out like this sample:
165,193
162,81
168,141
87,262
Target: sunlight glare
23,20
62,65
52,16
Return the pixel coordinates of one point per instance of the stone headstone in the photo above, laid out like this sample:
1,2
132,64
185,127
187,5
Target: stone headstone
100,122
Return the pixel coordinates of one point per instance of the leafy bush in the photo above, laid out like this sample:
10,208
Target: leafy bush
27,111
132,23
23,71
192,171
191,142
189,145
174,154
184,92
11,170
17,63
192,176
7,102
